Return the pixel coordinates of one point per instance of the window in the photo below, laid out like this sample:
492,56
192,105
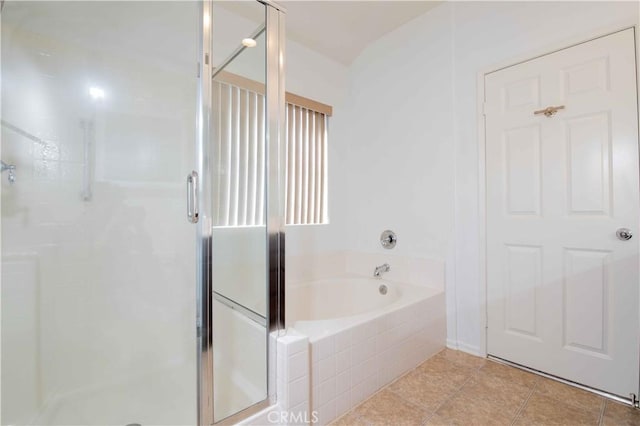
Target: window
239,156
306,175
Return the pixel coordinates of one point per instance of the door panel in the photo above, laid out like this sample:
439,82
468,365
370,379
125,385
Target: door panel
586,299
523,283
562,289
522,149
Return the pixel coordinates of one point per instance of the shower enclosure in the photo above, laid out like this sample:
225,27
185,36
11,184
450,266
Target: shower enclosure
128,296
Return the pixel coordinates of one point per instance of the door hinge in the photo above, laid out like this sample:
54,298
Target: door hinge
484,109
634,400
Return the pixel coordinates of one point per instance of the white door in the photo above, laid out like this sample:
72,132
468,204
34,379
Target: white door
562,288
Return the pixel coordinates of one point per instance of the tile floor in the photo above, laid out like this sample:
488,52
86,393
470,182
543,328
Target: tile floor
453,388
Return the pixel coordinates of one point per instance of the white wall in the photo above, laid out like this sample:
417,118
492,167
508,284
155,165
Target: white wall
405,141
373,182
397,165
401,156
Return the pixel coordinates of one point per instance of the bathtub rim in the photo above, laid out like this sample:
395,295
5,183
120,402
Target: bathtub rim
331,326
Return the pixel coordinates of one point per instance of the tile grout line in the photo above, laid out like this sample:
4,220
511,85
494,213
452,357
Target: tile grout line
525,402
603,407
387,386
360,416
454,393
569,402
411,402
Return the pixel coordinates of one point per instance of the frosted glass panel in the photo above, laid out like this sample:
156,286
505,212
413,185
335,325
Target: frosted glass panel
98,259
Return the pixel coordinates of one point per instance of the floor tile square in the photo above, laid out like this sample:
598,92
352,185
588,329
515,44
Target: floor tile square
616,414
462,410
387,408
510,395
421,389
543,410
461,358
512,374
349,419
571,395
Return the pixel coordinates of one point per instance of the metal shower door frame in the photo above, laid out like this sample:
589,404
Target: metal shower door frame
275,160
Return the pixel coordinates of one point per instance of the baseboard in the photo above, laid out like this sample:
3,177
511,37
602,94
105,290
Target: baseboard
461,346
470,349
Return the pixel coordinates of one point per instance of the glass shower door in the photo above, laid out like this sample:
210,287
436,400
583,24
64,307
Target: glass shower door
98,260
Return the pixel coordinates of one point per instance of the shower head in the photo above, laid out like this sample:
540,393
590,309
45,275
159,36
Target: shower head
6,166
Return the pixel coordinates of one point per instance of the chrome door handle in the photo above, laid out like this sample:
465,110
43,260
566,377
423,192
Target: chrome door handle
192,197
624,234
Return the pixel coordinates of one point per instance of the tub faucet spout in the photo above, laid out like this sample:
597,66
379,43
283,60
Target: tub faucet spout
380,269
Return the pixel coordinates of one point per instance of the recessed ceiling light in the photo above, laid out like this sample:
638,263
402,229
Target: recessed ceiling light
96,93
249,42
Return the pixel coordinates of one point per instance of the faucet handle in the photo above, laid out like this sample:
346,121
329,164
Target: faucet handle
388,239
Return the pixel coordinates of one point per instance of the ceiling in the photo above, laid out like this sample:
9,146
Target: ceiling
339,29
336,29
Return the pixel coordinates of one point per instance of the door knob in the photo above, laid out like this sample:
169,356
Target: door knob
624,234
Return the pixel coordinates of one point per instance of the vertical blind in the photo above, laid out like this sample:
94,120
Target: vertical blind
306,176
239,160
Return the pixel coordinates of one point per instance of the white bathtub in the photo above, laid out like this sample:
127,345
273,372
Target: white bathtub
361,339
324,307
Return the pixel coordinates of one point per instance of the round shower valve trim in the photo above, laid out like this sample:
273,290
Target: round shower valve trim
388,239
